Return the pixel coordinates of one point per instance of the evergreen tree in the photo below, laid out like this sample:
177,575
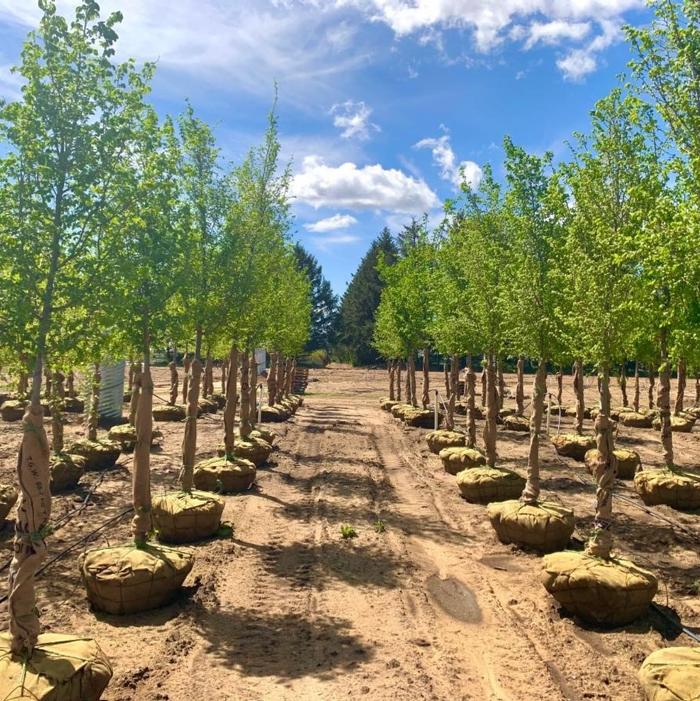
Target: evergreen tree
360,301
324,314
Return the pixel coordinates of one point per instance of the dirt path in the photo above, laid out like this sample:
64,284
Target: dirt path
423,604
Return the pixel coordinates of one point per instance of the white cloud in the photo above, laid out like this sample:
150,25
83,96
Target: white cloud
337,221
556,31
10,83
352,118
371,187
578,63
323,243
444,157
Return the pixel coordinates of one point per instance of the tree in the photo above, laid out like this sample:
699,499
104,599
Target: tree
359,303
324,312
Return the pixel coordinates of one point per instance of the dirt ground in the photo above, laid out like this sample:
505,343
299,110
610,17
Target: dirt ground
424,603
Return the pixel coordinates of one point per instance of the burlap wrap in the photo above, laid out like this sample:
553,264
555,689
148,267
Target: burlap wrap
398,410
267,436
218,399
482,485
543,526
671,674
125,435
8,498
66,471
166,412
126,579
387,404
441,439
421,418
516,423
207,406
570,445
273,414
73,405
634,419
679,424
253,449
455,460
186,518
610,592
61,668
99,455
679,489
223,476
628,462
13,409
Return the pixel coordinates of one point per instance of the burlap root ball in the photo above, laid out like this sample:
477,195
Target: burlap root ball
677,488
611,592
219,399
694,411
8,498
273,414
61,668
126,579
671,674
168,412
387,404
628,462
454,460
207,406
73,405
544,526
289,405
264,434
482,485
256,450
421,418
99,455
570,445
13,409
125,435
223,476
186,518
634,419
683,423
441,439
66,471
516,423
399,409
571,411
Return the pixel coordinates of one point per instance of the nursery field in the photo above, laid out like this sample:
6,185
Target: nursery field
422,603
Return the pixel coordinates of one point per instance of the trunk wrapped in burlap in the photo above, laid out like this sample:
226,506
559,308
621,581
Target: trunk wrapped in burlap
682,423
420,418
66,471
441,439
273,414
187,517
516,423
636,419
671,674
570,445
8,498
256,450
222,475
13,409
679,489
610,592
127,579
543,526
455,460
99,455
125,435
627,461
167,412
387,404
61,668
482,485
73,405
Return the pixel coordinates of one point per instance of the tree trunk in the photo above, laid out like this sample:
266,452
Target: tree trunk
680,391
245,428
635,399
398,380
130,378
414,396
664,399
650,392
174,382
57,404
447,371
519,388
425,399
208,376
697,389
391,367
408,379
491,412
189,440
253,394
580,399
623,384
135,394
231,401
224,370
70,384
454,389
560,385
23,381
531,493
47,381
600,542
484,383
271,379
93,414
501,385
141,524
281,378
187,369
292,375
470,387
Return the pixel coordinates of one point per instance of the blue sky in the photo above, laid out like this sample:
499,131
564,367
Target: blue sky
381,102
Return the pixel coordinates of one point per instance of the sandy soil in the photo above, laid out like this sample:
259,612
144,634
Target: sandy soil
424,603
